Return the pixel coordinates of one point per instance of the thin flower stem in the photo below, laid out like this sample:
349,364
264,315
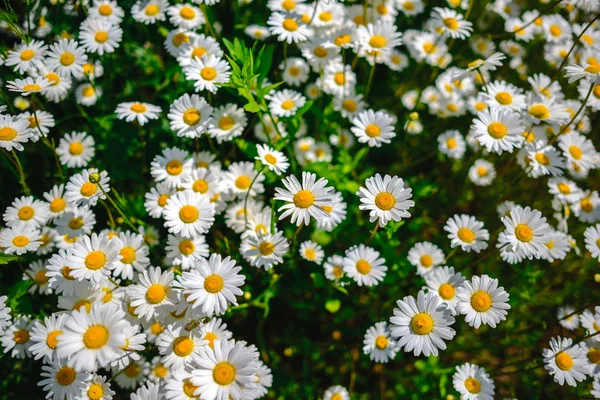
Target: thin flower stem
209,26
110,216
371,75
49,144
21,173
578,311
297,231
542,13
469,10
116,206
373,232
453,252
564,128
483,79
247,193
314,13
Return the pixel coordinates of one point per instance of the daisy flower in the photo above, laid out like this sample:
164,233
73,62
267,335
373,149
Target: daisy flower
75,223
452,144
16,339
100,36
542,109
504,95
544,160
378,343
66,58
27,212
153,295
26,56
87,95
304,200
242,179
86,188
172,167
61,381
467,232
92,258
364,265
223,371
498,129
28,85
134,255
5,316
444,281
185,251
179,386
373,127
157,198
59,273
576,72
265,250
473,383
213,285
190,115
13,132
107,10
565,361
336,213
179,347
336,393
148,12
207,72
377,40
275,160
228,122
425,256
97,388
288,27
422,325
451,23
40,122
285,103
213,330
592,240
189,214
334,268
92,340
482,172
491,63
385,198
44,337
198,46
257,32
526,231
20,239
150,391
482,301
312,252
185,16
577,149
141,112
567,318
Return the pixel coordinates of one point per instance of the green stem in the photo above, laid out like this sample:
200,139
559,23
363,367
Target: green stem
21,173
247,194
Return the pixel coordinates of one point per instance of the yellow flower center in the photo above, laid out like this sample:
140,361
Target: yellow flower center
481,301
325,16
156,328
446,291
542,158
189,388
377,41
95,260
191,116
539,111
132,370
451,23
138,108
426,260
88,91
342,39
183,346
188,214
76,148
179,38
524,233
564,361
288,5
266,248
311,254
555,30
174,167
473,385
504,98
208,73
363,267
497,130
594,355
67,58
21,336
213,283
65,376
593,69
586,205
199,52
52,338
243,182
224,373
101,37
372,131
287,104
186,247
422,323
451,143
162,200
26,213
429,47
381,342
20,241
289,25
105,10
226,123
575,152
128,255
151,10
88,189
95,391
466,235
385,201
27,54
304,199
187,13
76,223
349,105
95,337
32,87
7,133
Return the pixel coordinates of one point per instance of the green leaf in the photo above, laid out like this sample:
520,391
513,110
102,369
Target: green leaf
333,305
252,107
7,258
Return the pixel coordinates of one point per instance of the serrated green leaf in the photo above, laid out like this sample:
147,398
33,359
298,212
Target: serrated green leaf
7,258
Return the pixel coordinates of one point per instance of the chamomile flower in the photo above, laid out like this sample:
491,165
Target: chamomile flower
40,122
77,222
5,316
26,211
62,381
223,371
265,249
452,144
377,40
92,340
189,214
149,11
364,266
66,58
213,285
444,281
153,296
498,129
482,301
482,172
26,56
172,167
137,111
576,72
179,347
312,252
467,232
185,16
29,85
57,204
20,239
97,388
373,127
542,109
304,200
473,383
421,325
386,198
86,188
13,132
336,213
16,338
577,149
44,337
207,72
288,27
59,272
336,393
451,23
567,318
93,257
526,231
190,115
544,160
87,95
157,198
134,255
100,36
295,71
197,46
107,10
425,256
565,361
285,103
275,160
334,267
241,178
592,240
186,251
378,343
